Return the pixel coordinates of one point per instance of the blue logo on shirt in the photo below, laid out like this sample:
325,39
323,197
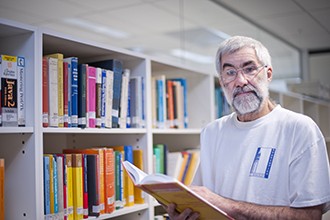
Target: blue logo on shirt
262,162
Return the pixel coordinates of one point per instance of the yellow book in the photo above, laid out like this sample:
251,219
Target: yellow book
194,161
2,189
51,183
69,186
138,162
166,190
77,175
60,85
128,195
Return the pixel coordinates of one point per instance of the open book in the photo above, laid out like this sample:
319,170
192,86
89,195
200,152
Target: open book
168,190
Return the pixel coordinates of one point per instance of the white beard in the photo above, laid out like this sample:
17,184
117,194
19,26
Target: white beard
247,103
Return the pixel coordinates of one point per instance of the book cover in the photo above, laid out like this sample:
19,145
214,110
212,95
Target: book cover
108,98
66,95
187,156
174,163
55,183
160,152
73,88
117,67
98,95
60,185
82,95
2,189
69,183
93,185
161,101
184,98
119,200
60,90
67,88
109,180
136,101
45,92
85,186
168,190
9,87
53,92
178,105
46,181
91,97
103,97
21,91
77,180
138,162
51,183
124,99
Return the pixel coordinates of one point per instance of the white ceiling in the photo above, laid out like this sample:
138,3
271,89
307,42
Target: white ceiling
159,26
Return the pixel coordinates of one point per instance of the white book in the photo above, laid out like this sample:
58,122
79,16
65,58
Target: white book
124,98
108,98
21,91
98,96
53,92
174,163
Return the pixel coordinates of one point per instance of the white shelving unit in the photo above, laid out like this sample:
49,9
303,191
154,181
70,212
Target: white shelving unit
23,148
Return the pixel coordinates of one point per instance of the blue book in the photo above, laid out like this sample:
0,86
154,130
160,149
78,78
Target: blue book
183,82
46,185
117,67
160,103
73,90
55,184
103,90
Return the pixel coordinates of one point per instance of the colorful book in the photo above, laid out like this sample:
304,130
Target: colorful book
73,90
138,162
60,185
21,91
184,98
93,185
77,180
91,97
170,103
109,180
69,183
60,90
192,168
117,67
98,95
166,190
2,189
45,92
119,201
103,97
53,92
124,99
66,120
46,181
108,98
85,186
82,95
9,87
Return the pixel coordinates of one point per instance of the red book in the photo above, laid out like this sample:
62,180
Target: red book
65,94
45,116
109,180
91,97
85,186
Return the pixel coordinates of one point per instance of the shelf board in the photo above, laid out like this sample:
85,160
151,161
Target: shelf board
176,131
95,130
15,130
124,211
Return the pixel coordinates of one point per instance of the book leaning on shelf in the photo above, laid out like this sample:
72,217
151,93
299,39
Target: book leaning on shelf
168,190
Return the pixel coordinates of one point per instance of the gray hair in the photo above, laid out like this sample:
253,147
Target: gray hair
233,44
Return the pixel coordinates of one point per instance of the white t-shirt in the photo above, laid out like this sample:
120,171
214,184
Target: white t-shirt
279,159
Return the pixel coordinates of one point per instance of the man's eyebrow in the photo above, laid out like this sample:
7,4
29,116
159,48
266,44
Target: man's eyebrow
242,65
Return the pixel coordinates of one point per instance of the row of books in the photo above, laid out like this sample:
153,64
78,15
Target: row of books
181,165
89,182
222,107
2,189
100,94
169,102
12,91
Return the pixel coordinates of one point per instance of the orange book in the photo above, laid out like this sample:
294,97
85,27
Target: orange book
45,88
2,189
170,103
109,180
100,152
138,162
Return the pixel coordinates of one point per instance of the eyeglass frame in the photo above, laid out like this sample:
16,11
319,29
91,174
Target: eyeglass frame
245,74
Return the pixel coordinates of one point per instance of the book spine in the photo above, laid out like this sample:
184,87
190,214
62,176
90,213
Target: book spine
109,180
91,94
9,91
55,183
2,189
103,97
52,92
65,188
46,185
82,73
60,175
60,90
118,180
68,89
68,161
98,97
92,176
117,68
85,185
74,92
109,98
101,181
77,171
65,94
21,91
45,92
128,185
138,162
123,99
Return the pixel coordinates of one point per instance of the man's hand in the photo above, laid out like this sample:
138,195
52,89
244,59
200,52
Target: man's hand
187,214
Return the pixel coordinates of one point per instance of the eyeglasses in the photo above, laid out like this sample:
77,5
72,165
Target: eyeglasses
250,71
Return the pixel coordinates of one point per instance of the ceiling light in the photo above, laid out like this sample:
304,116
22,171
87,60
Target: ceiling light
192,56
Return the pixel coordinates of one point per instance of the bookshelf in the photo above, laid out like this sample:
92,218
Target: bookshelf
23,147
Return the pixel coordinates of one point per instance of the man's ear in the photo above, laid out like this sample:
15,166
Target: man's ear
269,73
